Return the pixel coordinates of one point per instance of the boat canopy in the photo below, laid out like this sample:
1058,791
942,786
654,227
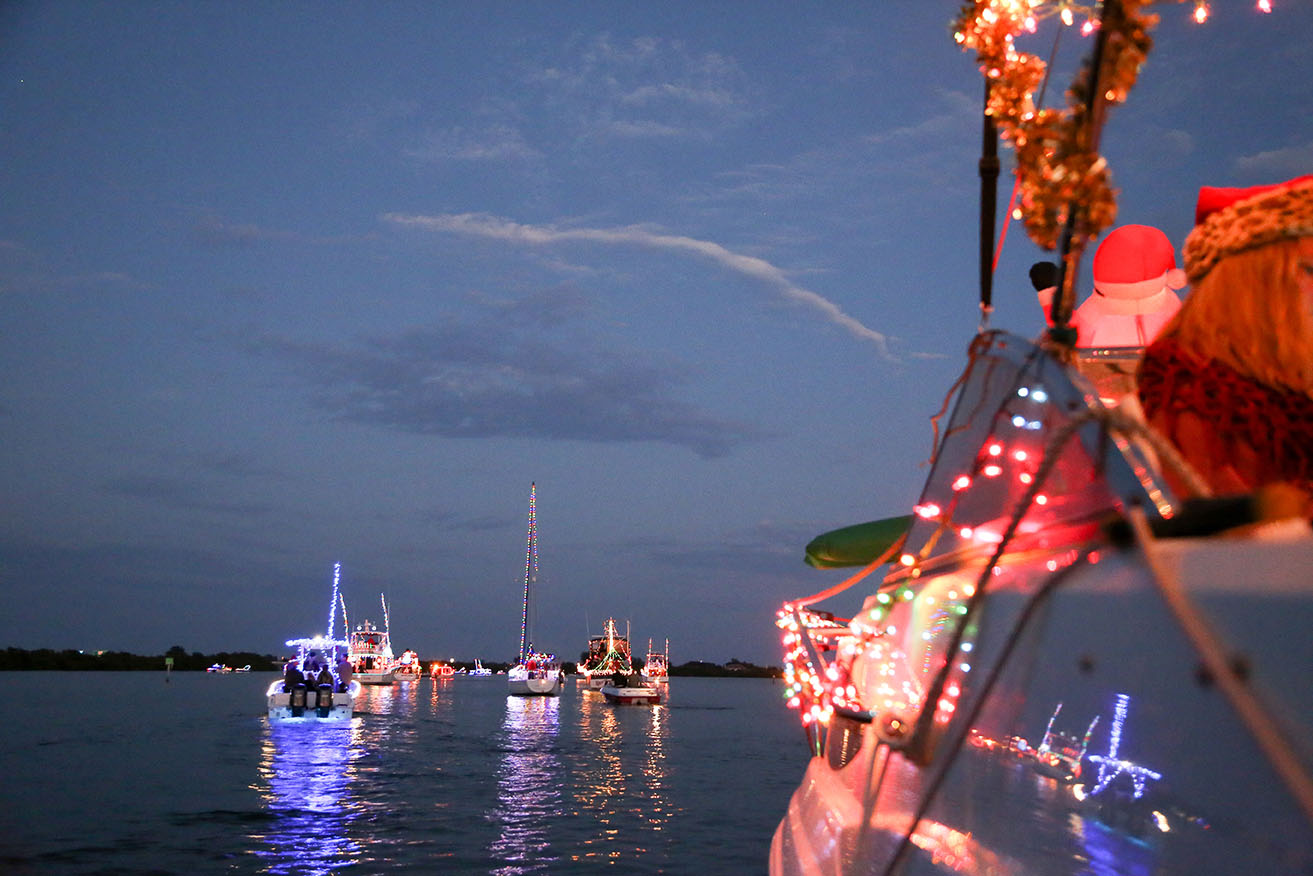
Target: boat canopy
856,545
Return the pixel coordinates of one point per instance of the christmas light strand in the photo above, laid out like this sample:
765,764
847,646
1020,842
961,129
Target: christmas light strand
530,571
332,603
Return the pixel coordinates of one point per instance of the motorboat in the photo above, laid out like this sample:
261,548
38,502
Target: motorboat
371,656
312,697
656,668
632,690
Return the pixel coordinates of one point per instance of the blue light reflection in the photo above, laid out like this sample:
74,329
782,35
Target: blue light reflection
529,786
305,773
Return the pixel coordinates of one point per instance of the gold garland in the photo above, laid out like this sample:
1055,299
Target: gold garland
1058,163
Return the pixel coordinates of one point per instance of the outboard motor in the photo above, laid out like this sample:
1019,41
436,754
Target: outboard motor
325,700
298,701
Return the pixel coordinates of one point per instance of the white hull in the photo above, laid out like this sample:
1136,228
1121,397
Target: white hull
282,711
637,696
375,677
534,687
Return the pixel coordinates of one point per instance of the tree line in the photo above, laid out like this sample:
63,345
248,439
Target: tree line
183,661
91,661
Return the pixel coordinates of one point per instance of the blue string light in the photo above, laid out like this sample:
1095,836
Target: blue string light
1111,766
332,603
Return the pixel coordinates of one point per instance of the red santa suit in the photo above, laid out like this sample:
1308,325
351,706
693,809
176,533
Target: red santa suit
1134,275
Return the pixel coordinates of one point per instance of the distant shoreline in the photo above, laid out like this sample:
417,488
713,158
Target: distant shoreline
72,660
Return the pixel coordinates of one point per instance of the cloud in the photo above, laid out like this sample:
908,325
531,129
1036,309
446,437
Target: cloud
498,142
509,375
1275,165
482,225
644,87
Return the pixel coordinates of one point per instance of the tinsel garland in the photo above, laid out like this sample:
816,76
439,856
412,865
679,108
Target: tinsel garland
1058,162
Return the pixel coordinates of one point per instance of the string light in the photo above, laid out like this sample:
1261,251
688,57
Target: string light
530,571
332,603
1112,765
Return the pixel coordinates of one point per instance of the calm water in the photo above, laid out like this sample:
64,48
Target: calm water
125,773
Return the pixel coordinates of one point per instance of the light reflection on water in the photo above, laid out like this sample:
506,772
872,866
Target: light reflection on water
627,809
305,773
529,786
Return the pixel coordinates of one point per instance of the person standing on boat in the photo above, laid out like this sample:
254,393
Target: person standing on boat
1229,381
343,672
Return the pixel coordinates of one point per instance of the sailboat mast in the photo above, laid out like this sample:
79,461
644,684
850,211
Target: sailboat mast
530,571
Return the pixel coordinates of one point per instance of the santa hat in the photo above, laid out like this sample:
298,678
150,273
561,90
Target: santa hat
1136,262
1230,220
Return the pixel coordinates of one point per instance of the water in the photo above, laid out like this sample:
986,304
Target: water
125,773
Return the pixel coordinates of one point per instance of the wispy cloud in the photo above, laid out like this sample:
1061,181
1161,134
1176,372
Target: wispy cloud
497,142
510,374
482,225
1275,165
645,87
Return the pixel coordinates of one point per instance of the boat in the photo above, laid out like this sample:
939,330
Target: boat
439,669
370,652
608,654
535,673
408,666
310,690
479,669
632,690
218,667
656,668
1059,755
1050,558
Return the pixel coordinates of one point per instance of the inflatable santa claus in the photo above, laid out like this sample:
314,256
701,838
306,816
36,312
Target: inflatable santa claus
1134,275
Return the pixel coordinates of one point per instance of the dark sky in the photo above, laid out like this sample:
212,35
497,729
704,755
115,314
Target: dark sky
284,285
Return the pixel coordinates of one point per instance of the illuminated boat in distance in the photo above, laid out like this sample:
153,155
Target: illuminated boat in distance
656,668
438,670
1059,754
534,673
479,669
608,654
632,690
370,653
311,691
408,666
218,667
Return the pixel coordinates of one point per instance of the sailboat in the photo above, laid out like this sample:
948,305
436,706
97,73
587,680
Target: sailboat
534,673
